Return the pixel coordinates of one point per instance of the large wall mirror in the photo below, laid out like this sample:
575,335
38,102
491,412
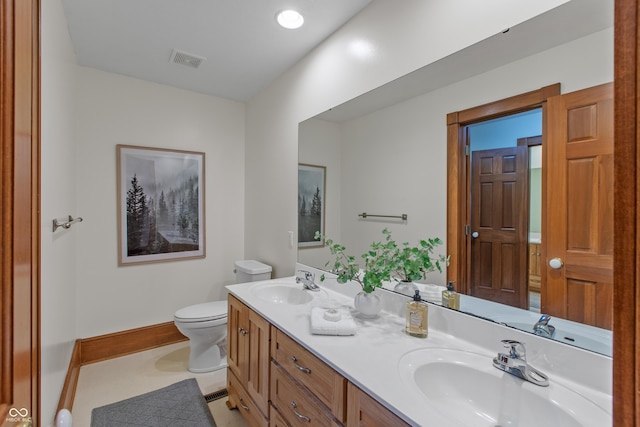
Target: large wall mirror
385,152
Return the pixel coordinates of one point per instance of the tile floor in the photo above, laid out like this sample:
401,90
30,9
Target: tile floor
117,379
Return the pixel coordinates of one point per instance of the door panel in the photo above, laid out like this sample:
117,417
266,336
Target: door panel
579,216
19,213
499,214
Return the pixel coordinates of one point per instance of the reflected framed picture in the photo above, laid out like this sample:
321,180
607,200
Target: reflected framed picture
161,205
311,201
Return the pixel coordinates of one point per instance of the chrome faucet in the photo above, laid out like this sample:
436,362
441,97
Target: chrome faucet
515,363
307,279
543,328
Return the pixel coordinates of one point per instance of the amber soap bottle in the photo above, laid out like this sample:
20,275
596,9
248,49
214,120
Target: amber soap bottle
417,317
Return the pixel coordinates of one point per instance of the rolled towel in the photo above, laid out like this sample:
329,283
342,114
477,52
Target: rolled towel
320,325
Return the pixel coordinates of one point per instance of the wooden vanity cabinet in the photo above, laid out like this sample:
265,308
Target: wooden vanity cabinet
248,337
295,403
239,399
275,382
365,411
293,365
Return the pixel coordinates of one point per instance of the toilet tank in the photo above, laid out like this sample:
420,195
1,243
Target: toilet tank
251,271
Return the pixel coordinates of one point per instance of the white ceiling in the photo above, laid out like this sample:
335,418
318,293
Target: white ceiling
244,47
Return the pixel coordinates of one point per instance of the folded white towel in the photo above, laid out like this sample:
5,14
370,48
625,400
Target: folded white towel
320,325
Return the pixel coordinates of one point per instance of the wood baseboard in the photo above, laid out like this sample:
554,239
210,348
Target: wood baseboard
71,381
118,344
110,346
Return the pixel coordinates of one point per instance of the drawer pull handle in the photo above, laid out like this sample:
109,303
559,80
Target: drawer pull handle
245,407
300,416
243,331
300,368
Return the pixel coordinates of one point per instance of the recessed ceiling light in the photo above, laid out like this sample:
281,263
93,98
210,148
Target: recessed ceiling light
289,19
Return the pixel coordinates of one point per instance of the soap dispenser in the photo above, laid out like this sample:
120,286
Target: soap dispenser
450,298
417,317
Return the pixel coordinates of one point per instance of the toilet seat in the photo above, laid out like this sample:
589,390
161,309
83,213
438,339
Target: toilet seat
202,312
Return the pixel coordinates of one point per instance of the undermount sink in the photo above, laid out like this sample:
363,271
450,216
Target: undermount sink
468,389
282,293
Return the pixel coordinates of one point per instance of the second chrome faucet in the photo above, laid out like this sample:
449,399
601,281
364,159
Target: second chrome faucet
515,363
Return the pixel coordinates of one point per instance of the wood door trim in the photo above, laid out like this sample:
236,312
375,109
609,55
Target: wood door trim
458,246
20,211
626,325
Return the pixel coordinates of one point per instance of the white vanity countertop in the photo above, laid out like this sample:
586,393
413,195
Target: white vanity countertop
370,359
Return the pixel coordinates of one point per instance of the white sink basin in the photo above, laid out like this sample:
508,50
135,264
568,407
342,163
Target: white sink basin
468,389
283,293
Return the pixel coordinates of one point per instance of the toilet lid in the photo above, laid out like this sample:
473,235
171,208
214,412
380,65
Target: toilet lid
203,312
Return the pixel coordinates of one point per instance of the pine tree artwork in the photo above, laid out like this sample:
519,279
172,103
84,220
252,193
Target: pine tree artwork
311,185
161,204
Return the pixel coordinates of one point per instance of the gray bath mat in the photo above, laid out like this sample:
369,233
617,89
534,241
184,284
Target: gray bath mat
180,404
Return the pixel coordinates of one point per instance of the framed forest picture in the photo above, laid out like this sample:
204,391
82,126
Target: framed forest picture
160,205
311,197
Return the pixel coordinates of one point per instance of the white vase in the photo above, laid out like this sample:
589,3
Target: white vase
406,288
368,304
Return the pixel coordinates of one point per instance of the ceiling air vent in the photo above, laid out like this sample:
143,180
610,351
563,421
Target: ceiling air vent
184,58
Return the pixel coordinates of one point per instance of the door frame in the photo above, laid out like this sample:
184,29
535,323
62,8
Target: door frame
626,207
458,191
20,210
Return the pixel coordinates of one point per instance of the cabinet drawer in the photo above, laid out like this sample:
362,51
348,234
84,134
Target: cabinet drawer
364,411
325,383
296,405
238,398
275,419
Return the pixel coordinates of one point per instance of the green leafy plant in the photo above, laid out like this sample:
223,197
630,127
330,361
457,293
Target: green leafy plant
384,261
347,268
409,263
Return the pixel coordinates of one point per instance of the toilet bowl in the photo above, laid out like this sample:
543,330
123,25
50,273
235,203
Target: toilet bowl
206,324
206,327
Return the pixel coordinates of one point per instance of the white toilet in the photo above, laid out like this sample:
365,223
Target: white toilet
206,324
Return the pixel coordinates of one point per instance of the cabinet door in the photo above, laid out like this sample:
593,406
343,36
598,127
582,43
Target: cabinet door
236,345
257,372
363,410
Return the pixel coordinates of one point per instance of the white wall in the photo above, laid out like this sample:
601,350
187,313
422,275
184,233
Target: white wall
320,144
58,254
393,161
84,292
394,38
114,109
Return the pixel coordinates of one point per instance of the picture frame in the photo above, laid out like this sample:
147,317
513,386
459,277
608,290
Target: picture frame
161,204
311,204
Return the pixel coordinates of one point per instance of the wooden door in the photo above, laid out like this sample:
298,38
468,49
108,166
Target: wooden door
578,268
499,225
19,213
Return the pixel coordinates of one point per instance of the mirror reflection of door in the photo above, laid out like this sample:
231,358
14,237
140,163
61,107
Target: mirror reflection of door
499,214
578,269
505,209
